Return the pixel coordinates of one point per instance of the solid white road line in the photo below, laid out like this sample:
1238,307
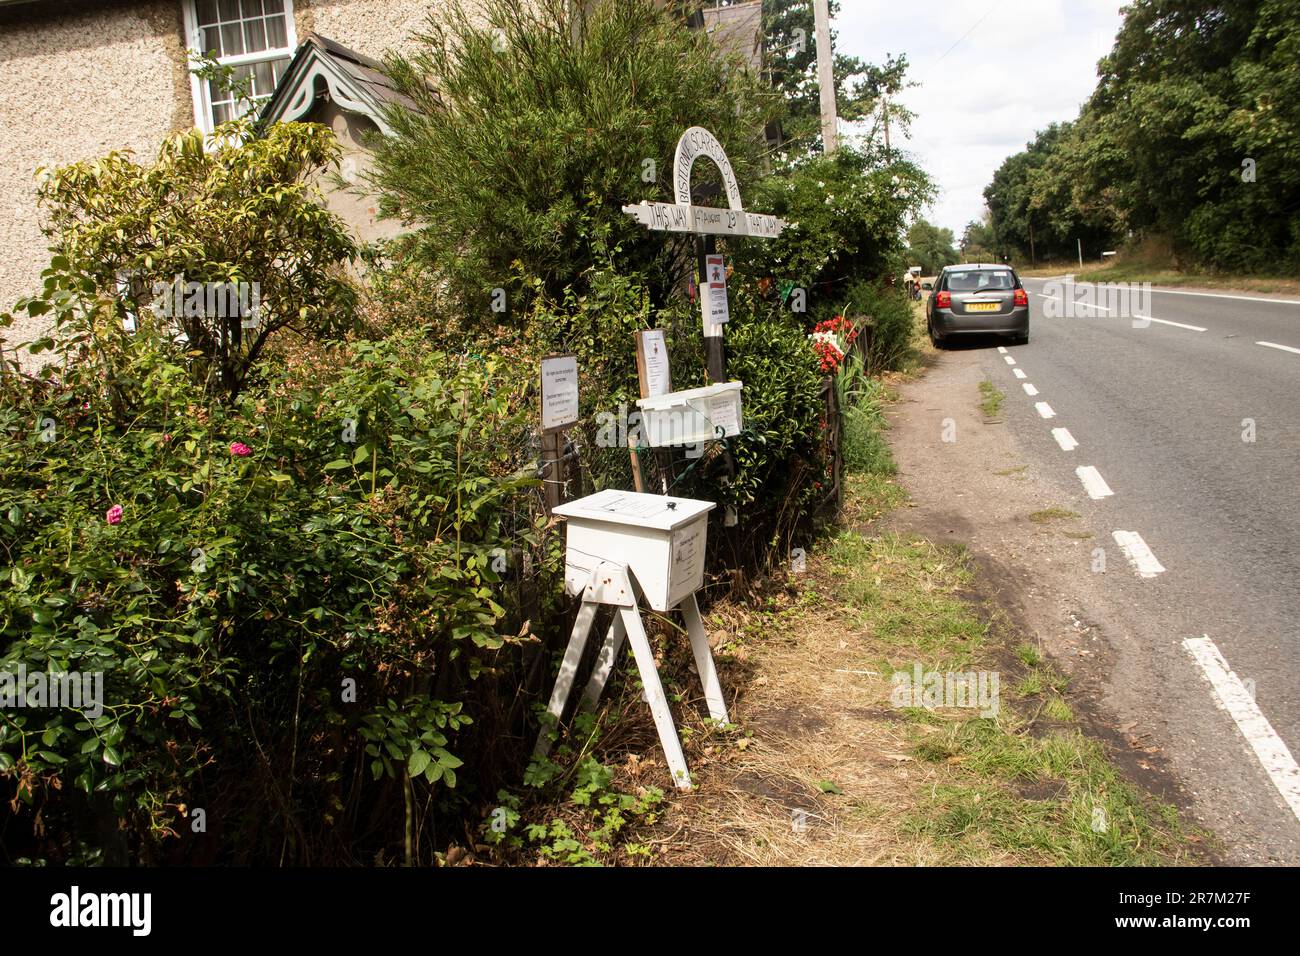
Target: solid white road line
1018,373
1144,318
1233,697
1002,350
1064,439
1274,345
1218,295
1044,409
1009,360
1030,390
1177,325
1138,554
1093,482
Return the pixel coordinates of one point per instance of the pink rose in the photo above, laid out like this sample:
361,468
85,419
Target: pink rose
114,515
240,450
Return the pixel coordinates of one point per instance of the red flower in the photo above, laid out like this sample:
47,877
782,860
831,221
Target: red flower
114,515
240,450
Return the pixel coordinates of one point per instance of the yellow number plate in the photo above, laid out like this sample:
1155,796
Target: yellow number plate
983,306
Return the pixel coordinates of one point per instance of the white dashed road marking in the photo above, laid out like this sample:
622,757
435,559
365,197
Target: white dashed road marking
1177,325
1044,409
1018,372
1138,554
1274,345
1232,696
1064,439
1002,350
1093,482
1009,360
1030,390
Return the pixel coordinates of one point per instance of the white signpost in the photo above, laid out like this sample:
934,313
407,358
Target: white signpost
622,546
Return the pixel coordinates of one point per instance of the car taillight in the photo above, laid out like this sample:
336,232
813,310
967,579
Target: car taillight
1022,297
943,300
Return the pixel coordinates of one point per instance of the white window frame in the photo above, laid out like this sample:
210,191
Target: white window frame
194,47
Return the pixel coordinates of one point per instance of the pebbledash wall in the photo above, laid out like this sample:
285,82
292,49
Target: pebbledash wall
79,79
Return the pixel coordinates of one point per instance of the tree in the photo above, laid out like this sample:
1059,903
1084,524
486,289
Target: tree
1195,98
530,128
978,243
930,247
862,90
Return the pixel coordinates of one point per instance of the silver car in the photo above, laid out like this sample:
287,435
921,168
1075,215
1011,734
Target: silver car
978,300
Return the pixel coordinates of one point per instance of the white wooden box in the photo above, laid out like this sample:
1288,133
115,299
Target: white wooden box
691,416
661,540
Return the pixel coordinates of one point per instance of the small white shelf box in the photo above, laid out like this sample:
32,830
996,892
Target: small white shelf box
660,539
691,416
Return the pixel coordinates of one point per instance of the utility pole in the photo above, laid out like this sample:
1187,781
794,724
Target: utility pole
1080,253
826,75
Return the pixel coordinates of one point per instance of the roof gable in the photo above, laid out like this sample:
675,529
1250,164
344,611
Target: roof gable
354,82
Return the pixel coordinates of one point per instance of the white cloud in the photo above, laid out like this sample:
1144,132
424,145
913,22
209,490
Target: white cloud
991,73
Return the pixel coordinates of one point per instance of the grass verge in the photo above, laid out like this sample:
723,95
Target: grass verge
991,399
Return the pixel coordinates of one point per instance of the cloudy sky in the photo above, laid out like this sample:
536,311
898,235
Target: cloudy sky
991,73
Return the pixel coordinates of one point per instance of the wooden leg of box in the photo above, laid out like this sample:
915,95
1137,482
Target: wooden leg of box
654,691
605,662
704,659
568,670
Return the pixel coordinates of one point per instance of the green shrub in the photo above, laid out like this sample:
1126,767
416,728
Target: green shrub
232,212
532,125
845,218
289,615
890,343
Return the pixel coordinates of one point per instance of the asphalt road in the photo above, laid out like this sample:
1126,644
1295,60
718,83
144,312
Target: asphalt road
1196,434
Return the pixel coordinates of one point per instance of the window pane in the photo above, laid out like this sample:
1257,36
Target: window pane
221,113
254,36
265,78
252,8
276,37
229,10
273,6
232,39
212,40
207,12
279,67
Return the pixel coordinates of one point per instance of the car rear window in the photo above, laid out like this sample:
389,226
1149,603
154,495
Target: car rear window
973,281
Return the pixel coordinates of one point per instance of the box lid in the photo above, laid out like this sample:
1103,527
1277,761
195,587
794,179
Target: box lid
659,512
679,399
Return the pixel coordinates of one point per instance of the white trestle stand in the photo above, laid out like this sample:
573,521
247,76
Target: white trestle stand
622,546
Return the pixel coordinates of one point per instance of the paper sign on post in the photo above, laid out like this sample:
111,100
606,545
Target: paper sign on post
715,285
652,363
559,392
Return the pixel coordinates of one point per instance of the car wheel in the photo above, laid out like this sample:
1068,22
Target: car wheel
935,338
1021,339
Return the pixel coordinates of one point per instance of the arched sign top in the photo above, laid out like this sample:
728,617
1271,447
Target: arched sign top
694,143
681,216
